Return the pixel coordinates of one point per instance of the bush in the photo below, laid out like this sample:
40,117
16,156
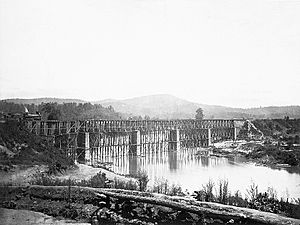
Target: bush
142,179
252,192
127,185
97,181
162,186
263,201
223,192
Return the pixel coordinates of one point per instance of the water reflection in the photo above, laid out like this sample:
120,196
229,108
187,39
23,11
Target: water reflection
191,171
173,161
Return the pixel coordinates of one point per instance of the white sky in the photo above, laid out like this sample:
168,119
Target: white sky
239,53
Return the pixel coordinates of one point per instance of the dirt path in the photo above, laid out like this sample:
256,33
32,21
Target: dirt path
84,172
16,217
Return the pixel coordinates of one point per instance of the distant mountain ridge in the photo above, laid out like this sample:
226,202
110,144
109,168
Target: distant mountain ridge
171,107
38,101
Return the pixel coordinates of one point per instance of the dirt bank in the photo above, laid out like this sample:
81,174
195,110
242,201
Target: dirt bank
16,217
85,172
24,175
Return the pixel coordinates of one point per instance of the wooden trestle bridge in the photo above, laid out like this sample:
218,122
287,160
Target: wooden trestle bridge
89,140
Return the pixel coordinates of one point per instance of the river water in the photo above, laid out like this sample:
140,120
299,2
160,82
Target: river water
191,171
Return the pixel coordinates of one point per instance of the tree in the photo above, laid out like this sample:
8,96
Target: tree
52,111
199,114
146,117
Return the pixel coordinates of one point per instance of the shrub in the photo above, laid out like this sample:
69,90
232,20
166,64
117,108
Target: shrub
175,190
142,179
208,191
127,185
237,200
162,186
252,192
97,181
222,192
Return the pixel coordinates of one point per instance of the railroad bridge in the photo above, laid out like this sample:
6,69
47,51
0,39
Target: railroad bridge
90,140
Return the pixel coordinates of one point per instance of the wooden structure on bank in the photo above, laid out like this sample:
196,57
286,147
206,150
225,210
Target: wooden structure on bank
88,140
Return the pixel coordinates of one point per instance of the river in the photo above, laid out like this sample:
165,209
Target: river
191,171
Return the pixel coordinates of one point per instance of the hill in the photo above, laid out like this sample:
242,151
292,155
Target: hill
19,146
38,101
171,107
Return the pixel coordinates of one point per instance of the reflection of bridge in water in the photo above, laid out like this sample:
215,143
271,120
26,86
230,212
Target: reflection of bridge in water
91,140
159,164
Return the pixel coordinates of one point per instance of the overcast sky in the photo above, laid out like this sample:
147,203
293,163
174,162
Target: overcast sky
239,53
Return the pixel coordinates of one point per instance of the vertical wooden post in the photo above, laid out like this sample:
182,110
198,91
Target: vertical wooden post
87,148
174,142
208,137
234,134
83,150
135,143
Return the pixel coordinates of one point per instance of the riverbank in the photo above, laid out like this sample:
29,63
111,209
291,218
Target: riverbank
111,206
26,175
85,172
82,206
260,152
76,205
28,217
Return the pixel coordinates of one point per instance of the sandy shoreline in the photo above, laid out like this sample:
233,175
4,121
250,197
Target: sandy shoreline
85,172
23,175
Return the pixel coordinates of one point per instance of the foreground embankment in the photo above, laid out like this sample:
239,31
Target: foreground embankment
27,217
112,206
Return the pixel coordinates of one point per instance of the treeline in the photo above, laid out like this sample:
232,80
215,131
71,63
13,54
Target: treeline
65,111
286,129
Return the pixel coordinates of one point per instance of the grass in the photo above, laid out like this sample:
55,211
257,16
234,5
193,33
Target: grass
97,181
127,185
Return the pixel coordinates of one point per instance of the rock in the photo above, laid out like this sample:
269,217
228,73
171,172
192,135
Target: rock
138,212
230,221
102,214
10,204
194,216
183,216
165,210
218,221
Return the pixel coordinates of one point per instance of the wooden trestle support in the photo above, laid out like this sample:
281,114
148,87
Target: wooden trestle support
90,140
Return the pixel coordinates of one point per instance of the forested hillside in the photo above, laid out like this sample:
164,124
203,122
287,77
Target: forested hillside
38,101
285,129
65,111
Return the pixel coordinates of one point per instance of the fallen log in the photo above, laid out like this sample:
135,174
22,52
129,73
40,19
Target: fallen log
216,210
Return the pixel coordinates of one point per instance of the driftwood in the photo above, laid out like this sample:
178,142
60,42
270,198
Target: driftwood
213,210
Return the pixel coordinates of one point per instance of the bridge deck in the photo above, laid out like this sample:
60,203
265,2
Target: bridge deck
62,127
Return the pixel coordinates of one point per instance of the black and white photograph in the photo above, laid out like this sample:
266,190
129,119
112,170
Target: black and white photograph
150,112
